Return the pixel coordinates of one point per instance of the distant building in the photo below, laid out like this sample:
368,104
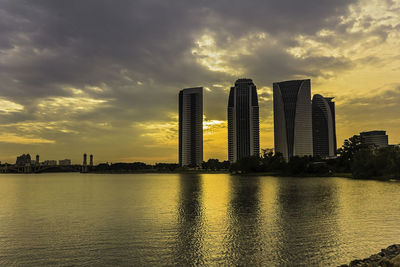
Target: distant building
37,162
243,121
191,127
24,159
293,118
50,162
84,164
323,126
91,160
64,162
378,139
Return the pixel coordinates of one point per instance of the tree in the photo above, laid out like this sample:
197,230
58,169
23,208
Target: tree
215,165
271,161
376,163
347,152
246,165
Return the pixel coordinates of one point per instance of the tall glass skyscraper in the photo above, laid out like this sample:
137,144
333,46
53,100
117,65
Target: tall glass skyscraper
323,125
292,118
191,127
243,121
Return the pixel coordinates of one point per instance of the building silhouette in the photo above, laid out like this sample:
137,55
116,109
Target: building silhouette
91,160
37,160
293,118
375,138
243,121
191,127
323,126
84,165
24,159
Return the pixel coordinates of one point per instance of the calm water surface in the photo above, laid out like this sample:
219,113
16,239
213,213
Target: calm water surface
208,219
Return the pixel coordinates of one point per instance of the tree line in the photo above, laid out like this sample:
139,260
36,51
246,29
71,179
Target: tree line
354,157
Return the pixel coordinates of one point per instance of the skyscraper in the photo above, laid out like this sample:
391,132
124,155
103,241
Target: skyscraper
292,118
323,125
243,121
191,127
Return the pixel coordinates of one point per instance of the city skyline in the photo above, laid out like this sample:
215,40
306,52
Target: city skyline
293,91
69,87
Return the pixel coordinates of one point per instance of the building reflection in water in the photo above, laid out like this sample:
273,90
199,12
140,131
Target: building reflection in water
190,232
307,217
243,241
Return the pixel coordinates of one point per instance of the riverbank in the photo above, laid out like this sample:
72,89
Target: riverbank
162,172
276,174
389,257
282,174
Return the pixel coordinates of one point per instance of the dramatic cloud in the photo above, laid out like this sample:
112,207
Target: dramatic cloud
102,76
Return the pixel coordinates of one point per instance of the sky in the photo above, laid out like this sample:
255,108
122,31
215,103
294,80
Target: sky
102,77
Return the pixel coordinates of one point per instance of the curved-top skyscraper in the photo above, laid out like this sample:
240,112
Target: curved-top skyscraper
292,118
243,121
323,124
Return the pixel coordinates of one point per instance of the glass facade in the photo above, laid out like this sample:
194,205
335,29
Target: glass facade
324,129
191,127
292,118
243,121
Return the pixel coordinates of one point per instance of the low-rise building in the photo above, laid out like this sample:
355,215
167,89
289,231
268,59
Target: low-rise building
375,138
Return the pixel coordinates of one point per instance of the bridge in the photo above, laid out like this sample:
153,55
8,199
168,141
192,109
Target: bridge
40,168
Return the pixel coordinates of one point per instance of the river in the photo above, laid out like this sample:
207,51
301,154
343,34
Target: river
193,219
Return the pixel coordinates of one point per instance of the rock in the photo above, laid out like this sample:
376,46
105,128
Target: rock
389,257
375,257
394,262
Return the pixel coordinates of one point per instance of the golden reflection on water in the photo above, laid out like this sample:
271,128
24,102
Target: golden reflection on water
243,235
193,219
307,218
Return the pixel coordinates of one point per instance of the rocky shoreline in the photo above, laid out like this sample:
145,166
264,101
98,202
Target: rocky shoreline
389,257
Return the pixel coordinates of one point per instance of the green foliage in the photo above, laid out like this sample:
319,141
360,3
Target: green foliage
246,165
129,166
376,163
272,162
167,167
346,154
307,165
122,167
298,165
215,165
269,162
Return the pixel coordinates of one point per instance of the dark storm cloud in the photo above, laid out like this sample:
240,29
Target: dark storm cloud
88,42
